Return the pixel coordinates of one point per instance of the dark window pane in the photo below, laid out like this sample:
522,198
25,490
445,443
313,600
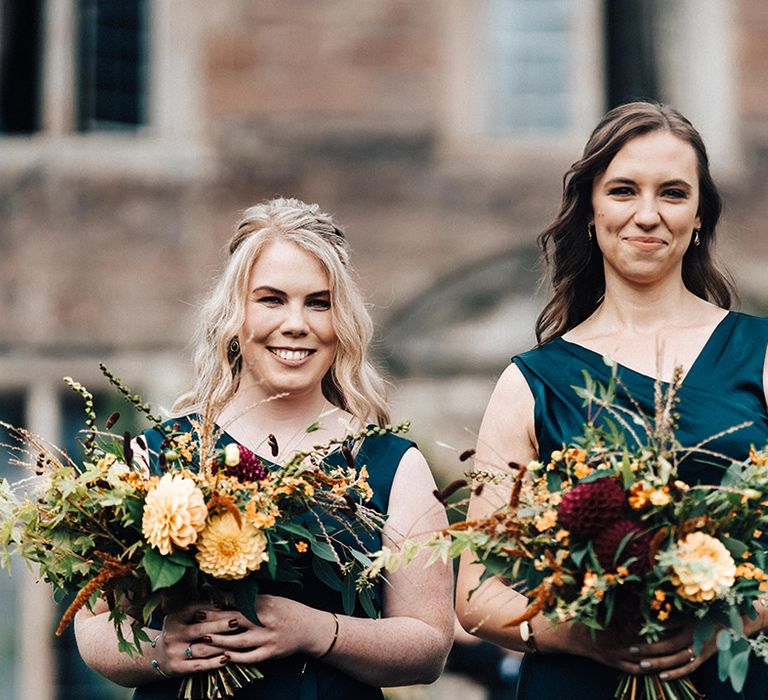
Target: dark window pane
20,44
112,67
631,56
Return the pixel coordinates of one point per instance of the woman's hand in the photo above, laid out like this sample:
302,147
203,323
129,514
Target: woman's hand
673,657
287,627
670,658
186,644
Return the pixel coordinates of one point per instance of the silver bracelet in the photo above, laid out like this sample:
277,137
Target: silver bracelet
157,668
153,643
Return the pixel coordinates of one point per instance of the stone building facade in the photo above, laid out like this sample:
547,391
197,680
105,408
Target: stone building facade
437,131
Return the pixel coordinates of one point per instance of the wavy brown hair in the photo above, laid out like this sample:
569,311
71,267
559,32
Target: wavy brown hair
573,259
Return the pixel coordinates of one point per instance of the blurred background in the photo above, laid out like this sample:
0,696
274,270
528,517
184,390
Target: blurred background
133,132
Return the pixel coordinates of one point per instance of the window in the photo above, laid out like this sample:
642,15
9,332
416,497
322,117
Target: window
521,73
631,53
20,44
527,57
112,64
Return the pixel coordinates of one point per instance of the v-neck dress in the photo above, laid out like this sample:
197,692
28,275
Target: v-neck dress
723,388
299,677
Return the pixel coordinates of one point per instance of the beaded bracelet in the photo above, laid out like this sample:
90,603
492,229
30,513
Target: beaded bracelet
333,641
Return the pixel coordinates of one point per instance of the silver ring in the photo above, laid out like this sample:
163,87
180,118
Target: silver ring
692,655
188,652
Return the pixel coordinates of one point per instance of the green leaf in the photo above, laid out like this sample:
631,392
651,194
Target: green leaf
135,509
362,558
246,591
326,573
296,529
597,474
723,640
163,571
737,670
272,561
366,600
735,547
577,556
723,665
702,633
348,595
736,623
322,549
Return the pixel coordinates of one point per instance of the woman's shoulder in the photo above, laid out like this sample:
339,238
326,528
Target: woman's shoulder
750,323
386,445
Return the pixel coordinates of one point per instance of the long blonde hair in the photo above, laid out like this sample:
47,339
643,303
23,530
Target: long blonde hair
352,383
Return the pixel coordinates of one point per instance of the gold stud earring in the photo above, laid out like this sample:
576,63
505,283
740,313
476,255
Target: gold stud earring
696,239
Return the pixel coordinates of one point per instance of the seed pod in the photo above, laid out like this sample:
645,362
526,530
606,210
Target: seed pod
272,442
127,449
348,456
464,456
113,418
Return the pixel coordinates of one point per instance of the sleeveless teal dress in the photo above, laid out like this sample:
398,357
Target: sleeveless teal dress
723,388
300,677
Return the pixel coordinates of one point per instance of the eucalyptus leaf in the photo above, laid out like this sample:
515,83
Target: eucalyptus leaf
737,670
322,549
348,595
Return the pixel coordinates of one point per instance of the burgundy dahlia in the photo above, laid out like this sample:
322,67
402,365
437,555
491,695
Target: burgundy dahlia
249,467
589,508
607,543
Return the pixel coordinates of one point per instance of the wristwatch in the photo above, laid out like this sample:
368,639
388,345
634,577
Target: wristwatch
529,639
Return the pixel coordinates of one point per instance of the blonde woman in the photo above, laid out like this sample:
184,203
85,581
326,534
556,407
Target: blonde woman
283,343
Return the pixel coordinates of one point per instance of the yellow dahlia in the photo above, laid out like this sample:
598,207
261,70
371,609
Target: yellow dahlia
174,512
703,569
227,551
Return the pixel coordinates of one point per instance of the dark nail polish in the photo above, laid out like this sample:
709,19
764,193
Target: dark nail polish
233,623
200,615
207,639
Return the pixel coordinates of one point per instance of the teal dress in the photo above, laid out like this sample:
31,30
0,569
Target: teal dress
723,388
301,677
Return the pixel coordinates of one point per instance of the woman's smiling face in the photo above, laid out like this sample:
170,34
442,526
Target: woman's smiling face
288,341
646,206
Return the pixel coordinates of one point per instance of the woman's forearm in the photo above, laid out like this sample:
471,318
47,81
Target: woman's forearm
97,643
390,651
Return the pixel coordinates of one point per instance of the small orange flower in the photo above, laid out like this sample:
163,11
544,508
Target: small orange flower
660,595
302,547
581,470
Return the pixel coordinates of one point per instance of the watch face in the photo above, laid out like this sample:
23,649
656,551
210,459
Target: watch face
525,631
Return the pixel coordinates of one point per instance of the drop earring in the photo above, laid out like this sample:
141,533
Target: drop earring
589,231
696,238
234,357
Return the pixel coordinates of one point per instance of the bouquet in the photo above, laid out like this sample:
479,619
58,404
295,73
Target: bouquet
604,533
211,525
